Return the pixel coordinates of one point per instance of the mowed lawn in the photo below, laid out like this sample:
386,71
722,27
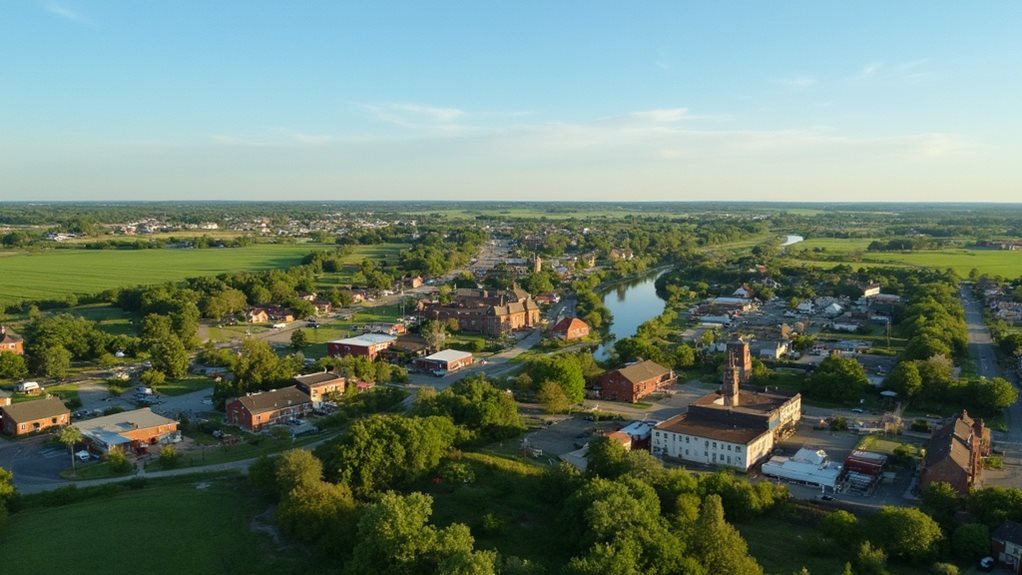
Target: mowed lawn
57,273
172,529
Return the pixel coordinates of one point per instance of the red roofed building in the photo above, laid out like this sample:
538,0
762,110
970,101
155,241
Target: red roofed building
634,382
11,342
570,328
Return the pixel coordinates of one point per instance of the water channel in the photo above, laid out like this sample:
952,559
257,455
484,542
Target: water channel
632,303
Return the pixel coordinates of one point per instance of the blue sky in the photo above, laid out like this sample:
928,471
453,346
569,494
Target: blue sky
545,100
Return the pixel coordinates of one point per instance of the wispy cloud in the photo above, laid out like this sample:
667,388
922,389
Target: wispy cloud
661,116
907,70
799,81
65,12
412,115
662,61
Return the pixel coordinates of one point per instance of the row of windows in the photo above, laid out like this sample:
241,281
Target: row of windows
706,442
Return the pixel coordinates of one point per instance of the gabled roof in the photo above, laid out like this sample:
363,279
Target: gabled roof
33,410
642,371
1009,531
449,355
273,400
9,336
569,324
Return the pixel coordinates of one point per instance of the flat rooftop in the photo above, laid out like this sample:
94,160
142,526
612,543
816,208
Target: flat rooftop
748,402
697,427
366,339
449,355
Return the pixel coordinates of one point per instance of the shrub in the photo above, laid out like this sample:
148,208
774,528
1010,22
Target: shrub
169,457
944,569
491,524
118,461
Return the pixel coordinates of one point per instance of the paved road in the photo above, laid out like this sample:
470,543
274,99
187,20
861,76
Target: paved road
983,350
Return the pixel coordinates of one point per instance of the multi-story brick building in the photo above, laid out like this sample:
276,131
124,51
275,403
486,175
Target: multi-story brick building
258,410
366,345
954,454
319,385
491,313
634,382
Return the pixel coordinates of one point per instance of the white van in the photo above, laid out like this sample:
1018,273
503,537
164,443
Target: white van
28,387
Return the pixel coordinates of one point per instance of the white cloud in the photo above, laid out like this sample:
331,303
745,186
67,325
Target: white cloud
661,116
412,115
869,70
66,13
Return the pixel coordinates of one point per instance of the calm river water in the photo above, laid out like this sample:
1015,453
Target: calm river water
632,303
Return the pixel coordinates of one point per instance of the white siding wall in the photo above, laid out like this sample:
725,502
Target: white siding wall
711,451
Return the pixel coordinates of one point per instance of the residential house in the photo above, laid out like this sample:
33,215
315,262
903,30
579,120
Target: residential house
1006,545
743,291
11,342
128,430
570,329
5,398
634,382
318,386
258,410
366,345
954,454
257,315
625,254
32,416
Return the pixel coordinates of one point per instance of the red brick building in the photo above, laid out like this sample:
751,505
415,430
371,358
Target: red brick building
11,342
32,416
634,382
366,345
444,362
258,410
491,313
319,385
954,454
127,430
570,328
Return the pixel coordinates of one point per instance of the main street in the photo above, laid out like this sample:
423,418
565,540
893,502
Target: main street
984,352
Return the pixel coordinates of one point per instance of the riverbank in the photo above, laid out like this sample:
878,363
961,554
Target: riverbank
636,302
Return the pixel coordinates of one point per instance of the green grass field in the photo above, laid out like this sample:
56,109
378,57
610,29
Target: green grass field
853,252
56,274
202,526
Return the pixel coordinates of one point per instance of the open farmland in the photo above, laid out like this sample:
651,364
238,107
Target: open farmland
853,251
56,274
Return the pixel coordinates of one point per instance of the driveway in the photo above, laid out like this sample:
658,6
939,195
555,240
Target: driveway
35,463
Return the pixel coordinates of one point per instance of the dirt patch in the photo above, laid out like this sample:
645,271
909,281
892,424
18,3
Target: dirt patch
263,523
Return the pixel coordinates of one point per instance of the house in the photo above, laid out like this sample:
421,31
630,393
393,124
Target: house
32,416
5,398
570,328
625,254
833,310
954,454
320,385
257,410
804,307
127,430
871,290
634,382
257,315
743,291
412,282
29,388
11,342
771,349
366,345
1006,545
443,362
322,306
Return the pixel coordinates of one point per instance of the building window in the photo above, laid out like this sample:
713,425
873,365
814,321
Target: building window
715,445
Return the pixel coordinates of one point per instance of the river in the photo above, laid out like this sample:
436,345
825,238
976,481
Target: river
632,303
